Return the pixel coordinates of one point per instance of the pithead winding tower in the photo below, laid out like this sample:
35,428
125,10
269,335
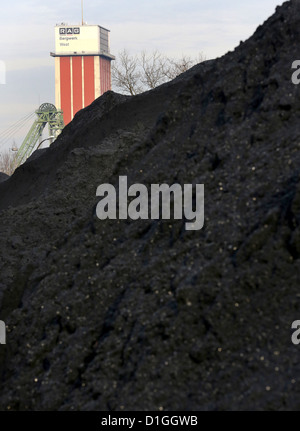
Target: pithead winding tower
82,66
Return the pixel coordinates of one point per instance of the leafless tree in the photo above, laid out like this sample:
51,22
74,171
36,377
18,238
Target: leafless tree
126,74
152,67
174,67
133,74
7,162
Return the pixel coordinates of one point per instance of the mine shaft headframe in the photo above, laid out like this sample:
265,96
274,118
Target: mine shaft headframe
47,107
46,114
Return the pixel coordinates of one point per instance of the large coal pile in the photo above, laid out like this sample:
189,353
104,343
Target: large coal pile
3,177
145,315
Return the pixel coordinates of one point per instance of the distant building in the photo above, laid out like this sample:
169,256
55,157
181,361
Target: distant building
82,66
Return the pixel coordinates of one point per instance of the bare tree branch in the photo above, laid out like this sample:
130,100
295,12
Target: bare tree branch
7,162
125,73
135,74
152,69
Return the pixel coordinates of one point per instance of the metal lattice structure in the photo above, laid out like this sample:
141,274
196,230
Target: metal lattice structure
46,114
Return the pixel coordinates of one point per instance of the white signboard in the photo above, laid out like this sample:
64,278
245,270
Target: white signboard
77,39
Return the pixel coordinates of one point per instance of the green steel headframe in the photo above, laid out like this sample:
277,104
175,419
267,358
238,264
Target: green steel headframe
47,113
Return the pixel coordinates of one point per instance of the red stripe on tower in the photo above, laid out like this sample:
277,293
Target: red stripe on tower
89,80
65,88
77,84
105,75
101,74
109,75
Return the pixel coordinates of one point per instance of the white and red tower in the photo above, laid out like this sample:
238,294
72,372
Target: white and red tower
82,66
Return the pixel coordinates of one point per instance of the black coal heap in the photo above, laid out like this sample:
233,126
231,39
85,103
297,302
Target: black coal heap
145,315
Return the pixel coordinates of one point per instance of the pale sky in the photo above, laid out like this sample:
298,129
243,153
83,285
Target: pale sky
173,27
